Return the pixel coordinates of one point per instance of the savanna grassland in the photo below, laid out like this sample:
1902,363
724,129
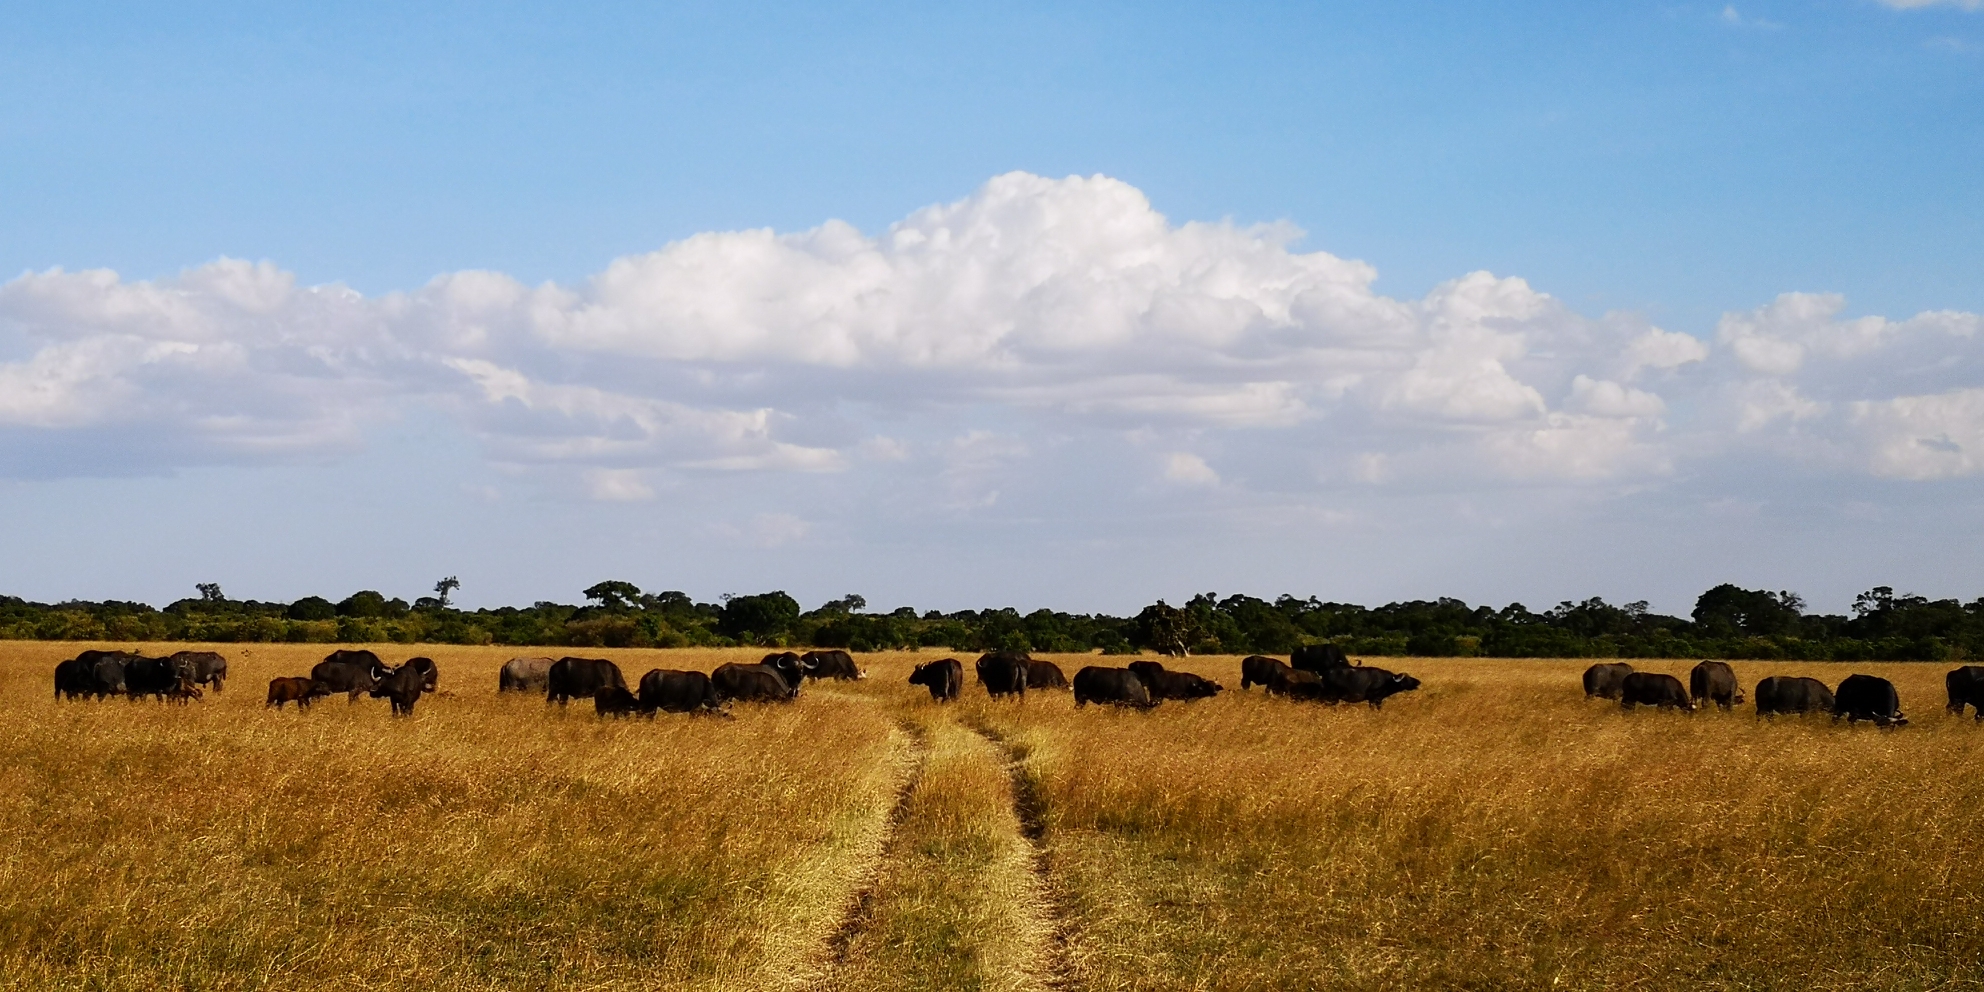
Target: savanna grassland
1492,830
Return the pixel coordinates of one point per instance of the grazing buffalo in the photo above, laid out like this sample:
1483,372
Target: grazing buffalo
752,683
1295,683
1365,685
524,675
1044,675
1318,658
295,690
1792,694
74,679
944,678
580,678
1868,697
1654,689
1965,685
1003,673
203,667
430,676
830,665
1714,680
1604,680
150,677
614,700
1259,669
403,687
672,691
1164,684
351,672
1114,686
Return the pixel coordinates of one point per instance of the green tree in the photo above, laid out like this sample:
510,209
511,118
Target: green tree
614,596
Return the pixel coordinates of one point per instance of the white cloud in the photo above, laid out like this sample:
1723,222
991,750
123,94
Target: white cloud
617,485
1189,469
765,530
1923,437
1610,399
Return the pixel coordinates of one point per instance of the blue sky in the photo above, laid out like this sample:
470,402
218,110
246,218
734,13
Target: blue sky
1634,166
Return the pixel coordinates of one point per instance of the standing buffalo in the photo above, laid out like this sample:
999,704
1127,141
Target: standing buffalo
1365,685
1966,688
1604,680
74,679
1003,673
351,672
295,690
430,676
1652,689
944,678
1044,675
403,686
752,683
673,691
1115,686
614,700
107,669
524,675
1259,669
830,665
203,667
1714,680
1318,658
150,677
1164,684
580,678
1792,694
1868,697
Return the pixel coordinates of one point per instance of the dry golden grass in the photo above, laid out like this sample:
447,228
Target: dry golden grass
1493,830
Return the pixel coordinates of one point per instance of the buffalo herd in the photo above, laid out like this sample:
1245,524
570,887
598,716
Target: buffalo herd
1859,697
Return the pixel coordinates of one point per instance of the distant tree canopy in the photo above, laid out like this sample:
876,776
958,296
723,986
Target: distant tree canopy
1727,622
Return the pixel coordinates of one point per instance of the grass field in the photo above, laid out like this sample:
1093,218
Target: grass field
1493,830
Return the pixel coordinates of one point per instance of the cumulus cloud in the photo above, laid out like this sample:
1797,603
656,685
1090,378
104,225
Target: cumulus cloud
1189,469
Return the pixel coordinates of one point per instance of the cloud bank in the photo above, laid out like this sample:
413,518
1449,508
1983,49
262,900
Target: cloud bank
960,344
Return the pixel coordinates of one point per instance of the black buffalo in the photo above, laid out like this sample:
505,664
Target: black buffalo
430,676
614,700
1044,675
1318,658
1163,684
403,686
156,677
672,691
1714,680
580,678
107,671
1003,673
1868,697
1259,669
1792,694
295,690
830,665
351,672
74,679
1364,685
1295,683
944,678
1654,689
752,683
524,675
1605,679
1114,686
1966,688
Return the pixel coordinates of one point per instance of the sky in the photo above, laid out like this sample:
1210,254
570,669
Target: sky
1067,306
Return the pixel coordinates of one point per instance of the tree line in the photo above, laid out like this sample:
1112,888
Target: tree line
1727,622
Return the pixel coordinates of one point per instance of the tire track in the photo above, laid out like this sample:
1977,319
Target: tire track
861,911
1030,807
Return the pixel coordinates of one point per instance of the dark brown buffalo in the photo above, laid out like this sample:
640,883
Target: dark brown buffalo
1259,669
203,667
1318,658
1714,680
1294,683
1868,697
1966,688
788,667
1003,673
1792,694
295,690
155,677
430,675
1044,675
1359,684
1111,686
580,678
830,665
672,691
614,701
1604,680
944,678
752,684
1654,689
403,687
1164,684
524,675
351,672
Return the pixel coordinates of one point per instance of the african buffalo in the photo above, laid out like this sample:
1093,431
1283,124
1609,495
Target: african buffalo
403,687
1365,685
1295,683
830,665
1163,684
1792,694
1318,658
295,690
1044,675
1966,688
1003,673
150,677
524,675
1114,686
580,678
1654,689
1714,680
351,672
752,683
107,670
1868,697
1259,669
430,676
614,700
1603,680
944,678
672,691
203,667
74,679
